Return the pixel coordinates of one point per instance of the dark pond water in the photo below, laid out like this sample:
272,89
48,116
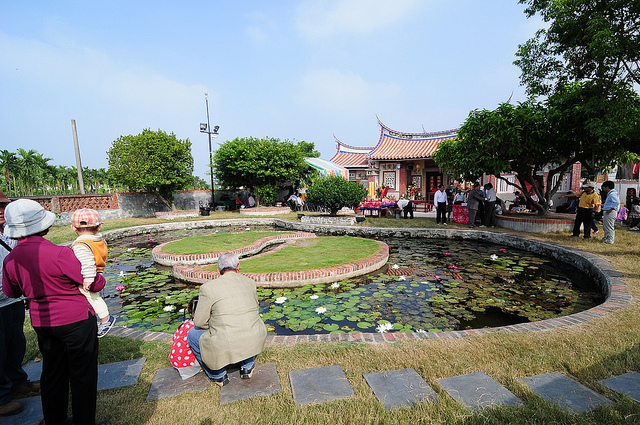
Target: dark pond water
427,285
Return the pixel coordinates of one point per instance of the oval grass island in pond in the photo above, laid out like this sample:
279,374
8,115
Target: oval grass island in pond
308,254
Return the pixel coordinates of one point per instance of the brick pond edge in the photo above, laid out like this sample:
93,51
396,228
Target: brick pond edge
609,280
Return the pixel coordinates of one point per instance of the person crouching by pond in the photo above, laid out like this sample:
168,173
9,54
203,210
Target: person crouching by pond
49,276
228,329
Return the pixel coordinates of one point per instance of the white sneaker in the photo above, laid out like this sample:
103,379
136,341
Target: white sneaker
105,327
634,228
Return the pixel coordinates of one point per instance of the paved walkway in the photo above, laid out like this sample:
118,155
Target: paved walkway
394,388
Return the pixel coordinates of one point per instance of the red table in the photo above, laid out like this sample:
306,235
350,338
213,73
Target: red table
460,214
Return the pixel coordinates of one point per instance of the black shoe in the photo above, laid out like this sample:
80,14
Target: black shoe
222,381
246,373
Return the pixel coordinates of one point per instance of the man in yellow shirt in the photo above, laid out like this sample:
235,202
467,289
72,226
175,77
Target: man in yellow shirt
588,206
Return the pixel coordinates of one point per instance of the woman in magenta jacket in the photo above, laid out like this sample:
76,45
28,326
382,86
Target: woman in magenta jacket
49,276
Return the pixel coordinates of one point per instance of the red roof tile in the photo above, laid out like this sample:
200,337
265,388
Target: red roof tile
399,148
395,145
350,156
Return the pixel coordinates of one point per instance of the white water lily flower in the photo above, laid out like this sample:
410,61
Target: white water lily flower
421,331
313,297
321,310
169,308
395,266
335,285
121,273
494,257
167,297
384,327
280,300
402,278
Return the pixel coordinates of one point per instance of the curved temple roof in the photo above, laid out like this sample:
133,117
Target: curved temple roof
395,145
350,156
392,145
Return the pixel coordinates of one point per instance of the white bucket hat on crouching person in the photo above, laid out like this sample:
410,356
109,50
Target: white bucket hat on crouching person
26,217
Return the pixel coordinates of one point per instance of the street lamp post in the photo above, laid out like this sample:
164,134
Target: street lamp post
206,128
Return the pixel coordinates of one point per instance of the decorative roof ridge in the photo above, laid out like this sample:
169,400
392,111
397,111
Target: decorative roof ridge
424,133
359,148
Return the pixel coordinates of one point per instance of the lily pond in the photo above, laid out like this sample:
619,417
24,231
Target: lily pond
427,285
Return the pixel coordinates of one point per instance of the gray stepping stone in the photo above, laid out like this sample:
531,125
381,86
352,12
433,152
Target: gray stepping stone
110,375
320,384
33,369
263,382
400,388
167,383
477,391
119,374
31,415
563,391
627,384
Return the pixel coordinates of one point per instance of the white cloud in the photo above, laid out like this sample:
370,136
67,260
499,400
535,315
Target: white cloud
75,68
318,19
328,88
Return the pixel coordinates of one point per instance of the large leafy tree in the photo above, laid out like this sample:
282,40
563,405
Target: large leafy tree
595,40
153,161
261,163
581,123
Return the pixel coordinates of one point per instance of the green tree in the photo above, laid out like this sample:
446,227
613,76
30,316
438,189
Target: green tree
153,161
10,168
596,40
335,193
251,162
580,123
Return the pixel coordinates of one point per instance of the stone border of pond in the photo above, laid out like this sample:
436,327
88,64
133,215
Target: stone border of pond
610,280
167,259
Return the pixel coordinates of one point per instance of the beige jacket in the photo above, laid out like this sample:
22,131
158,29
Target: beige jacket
228,308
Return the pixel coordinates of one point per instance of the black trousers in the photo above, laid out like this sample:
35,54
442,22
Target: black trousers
408,209
69,359
12,348
441,212
584,218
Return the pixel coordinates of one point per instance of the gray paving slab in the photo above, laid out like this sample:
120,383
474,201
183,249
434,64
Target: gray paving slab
119,374
33,369
263,382
320,384
627,384
477,391
167,383
31,415
400,388
110,375
564,392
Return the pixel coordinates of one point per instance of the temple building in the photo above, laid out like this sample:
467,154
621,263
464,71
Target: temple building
402,162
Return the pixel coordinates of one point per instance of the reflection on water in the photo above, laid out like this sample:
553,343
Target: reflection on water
427,285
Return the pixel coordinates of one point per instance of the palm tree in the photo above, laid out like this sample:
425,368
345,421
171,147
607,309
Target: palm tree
9,167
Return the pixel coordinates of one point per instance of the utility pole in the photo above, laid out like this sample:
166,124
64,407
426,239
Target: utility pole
78,161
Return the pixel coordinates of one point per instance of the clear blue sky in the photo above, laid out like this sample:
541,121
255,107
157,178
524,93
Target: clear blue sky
297,70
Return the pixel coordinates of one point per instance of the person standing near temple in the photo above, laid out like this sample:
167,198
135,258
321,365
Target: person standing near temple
440,200
610,211
474,201
588,206
489,218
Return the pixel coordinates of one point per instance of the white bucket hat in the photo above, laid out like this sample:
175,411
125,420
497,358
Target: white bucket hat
26,217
